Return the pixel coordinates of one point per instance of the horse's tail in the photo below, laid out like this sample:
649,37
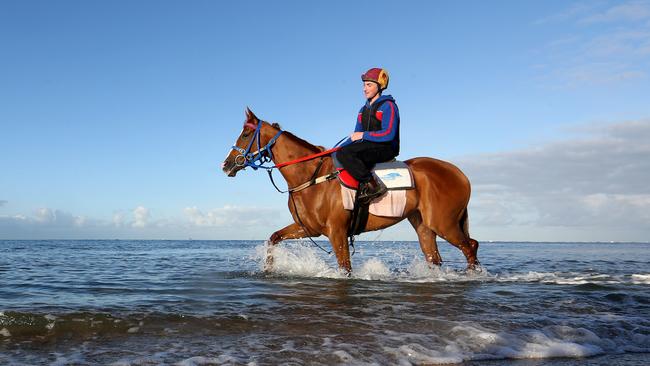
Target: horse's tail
464,223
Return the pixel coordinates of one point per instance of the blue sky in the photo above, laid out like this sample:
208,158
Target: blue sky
116,115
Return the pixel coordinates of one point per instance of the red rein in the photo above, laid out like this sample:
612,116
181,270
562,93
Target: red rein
299,160
308,157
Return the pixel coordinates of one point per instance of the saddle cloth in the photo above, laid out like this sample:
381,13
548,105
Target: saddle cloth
391,204
395,175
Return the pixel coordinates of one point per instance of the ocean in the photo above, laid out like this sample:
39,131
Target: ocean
120,302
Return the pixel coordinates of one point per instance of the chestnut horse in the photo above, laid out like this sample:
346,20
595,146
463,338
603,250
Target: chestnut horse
436,207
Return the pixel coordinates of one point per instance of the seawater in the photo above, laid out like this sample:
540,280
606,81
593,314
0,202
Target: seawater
116,302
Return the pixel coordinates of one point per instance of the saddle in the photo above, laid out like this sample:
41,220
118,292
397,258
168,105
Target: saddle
397,178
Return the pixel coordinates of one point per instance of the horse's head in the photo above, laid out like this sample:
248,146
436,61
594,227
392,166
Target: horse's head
252,147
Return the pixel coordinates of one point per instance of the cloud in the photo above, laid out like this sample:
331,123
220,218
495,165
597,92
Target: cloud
619,44
627,12
47,223
141,217
119,219
595,12
43,220
572,12
598,180
232,216
58,218
597,73
3,202
219,223
608,45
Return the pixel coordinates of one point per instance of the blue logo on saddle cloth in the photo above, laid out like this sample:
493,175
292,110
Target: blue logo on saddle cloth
391,176
394,175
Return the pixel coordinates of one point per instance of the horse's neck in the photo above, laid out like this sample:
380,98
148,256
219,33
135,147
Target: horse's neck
289,148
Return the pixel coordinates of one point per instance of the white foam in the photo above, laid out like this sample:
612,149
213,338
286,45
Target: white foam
421,271
201,360
472,343
414,353
297,259
373,269
641,279
291,258
560,278
5,332
344,356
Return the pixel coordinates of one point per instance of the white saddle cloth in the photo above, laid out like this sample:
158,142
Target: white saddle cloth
391,204
397,177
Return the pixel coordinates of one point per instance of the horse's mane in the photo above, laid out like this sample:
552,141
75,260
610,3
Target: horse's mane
304,143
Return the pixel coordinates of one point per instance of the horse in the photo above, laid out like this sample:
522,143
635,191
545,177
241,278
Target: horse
436,207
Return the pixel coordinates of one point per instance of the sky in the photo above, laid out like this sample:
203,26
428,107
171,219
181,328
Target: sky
116,115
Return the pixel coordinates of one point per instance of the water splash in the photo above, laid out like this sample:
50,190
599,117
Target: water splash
296,258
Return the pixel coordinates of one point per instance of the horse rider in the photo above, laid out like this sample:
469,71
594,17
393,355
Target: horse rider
375,138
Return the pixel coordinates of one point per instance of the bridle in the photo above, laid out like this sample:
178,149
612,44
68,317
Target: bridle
256,159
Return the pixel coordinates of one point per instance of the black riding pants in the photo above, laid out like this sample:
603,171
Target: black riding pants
360,157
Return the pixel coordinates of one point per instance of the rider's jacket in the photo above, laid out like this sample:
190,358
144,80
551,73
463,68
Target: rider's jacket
379,122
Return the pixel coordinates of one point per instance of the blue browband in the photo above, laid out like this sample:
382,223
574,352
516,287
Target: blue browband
256,159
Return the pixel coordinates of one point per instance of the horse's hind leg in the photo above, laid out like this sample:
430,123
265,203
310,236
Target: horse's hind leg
427,239
457,237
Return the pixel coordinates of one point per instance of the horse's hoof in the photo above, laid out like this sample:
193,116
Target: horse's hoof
274,239
268,265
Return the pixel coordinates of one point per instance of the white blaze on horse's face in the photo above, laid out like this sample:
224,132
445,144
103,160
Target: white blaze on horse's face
232,150
228,166
235,160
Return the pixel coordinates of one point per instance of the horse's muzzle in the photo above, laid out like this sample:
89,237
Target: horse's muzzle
229,168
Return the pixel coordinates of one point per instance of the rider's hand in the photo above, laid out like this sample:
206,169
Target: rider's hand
355,136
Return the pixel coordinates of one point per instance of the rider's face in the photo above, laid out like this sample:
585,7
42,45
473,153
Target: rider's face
370,89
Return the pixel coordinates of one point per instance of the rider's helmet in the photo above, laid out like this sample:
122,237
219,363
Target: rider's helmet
377,75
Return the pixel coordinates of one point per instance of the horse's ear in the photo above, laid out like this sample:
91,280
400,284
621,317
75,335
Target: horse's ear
250,116
276,125
251,120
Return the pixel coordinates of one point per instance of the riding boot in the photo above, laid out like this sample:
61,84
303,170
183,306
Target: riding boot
371,190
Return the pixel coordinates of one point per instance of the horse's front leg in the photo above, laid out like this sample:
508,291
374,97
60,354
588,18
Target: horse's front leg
341,248
293,231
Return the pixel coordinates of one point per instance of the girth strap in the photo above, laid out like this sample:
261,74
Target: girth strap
321,179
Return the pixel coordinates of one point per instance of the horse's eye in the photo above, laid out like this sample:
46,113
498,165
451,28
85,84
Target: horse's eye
245,136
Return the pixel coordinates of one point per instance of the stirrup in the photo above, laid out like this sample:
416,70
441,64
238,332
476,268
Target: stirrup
366,197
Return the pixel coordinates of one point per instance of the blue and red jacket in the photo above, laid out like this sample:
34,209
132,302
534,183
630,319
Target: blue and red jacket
379,122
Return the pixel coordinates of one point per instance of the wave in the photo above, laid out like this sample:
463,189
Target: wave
641,279
473,343
144,342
